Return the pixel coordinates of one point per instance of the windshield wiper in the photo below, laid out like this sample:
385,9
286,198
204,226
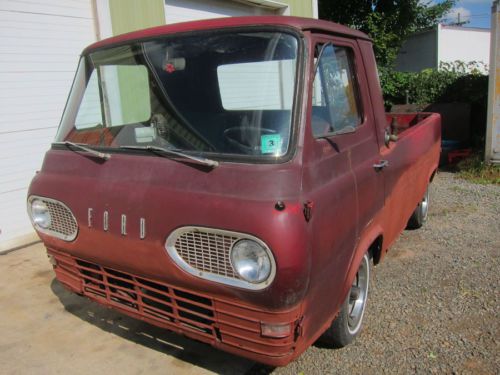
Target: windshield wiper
204,161
101,155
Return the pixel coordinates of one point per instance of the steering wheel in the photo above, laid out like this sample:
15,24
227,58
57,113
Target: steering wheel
246,138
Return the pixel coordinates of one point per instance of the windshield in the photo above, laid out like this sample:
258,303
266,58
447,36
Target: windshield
218,93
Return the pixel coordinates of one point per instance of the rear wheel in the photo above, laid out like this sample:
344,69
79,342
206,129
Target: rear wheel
419,216
347,324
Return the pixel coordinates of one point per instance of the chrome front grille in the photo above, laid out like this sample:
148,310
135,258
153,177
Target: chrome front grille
63,224
62,219
207,251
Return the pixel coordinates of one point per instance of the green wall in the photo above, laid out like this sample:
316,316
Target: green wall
299,8
131,15
126,16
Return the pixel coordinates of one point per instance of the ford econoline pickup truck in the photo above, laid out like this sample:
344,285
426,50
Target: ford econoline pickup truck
232,180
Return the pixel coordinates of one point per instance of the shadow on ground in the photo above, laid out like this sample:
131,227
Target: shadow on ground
155,338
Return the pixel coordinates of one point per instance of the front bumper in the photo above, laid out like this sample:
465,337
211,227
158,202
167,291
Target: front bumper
224,324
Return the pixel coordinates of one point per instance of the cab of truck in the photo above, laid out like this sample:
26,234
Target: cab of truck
232,180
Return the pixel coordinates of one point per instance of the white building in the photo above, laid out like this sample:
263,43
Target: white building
427,49
40,43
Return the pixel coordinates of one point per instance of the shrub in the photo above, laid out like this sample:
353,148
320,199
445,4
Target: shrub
453,82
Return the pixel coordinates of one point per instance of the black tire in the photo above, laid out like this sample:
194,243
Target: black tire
419,216
348,322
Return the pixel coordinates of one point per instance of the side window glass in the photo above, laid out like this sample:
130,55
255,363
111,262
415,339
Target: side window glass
335,104
89,114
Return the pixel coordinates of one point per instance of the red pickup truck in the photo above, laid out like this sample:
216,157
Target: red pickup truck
232,180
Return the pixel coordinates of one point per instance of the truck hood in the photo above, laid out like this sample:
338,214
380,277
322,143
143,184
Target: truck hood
168,194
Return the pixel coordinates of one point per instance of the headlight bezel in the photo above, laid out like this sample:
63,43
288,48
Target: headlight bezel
218,278
49,231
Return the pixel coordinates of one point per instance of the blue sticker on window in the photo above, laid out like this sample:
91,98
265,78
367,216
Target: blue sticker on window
270,143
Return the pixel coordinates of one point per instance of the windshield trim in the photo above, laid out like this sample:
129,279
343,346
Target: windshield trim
237,158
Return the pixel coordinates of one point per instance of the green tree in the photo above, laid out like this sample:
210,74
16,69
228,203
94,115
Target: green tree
387,22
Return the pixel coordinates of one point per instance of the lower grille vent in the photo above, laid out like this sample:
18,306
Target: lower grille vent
204,317
149,298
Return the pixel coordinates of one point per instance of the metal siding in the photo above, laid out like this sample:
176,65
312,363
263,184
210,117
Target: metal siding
40,42
187,10
190,10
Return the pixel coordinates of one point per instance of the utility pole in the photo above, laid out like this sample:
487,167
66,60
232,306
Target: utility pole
459,21
492,146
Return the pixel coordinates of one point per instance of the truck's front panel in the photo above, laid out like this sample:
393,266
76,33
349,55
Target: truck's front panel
172,192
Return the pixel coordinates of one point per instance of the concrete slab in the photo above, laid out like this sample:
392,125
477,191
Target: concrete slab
45,329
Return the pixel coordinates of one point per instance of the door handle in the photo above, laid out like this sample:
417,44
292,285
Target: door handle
381,165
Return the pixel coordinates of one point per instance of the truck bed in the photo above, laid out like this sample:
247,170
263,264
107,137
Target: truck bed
400,122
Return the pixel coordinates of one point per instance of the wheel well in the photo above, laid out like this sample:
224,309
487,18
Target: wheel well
432,175
375,249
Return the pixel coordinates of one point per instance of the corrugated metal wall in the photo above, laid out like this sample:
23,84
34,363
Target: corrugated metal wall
40,42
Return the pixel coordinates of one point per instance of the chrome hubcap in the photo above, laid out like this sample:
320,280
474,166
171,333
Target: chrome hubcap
357,296
425,204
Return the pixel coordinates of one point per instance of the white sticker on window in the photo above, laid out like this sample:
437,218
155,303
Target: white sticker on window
144,135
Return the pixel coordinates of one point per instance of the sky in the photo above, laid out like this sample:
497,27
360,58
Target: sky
476,12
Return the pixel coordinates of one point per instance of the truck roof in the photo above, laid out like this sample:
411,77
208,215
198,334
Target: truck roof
298,23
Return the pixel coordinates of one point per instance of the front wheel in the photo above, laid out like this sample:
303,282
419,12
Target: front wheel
419,216
347,324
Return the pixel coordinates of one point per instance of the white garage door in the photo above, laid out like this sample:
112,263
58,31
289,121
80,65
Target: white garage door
190,10
40,41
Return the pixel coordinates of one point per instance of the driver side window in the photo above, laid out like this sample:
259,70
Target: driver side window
335,99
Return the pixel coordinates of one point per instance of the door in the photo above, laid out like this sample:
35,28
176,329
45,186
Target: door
346,189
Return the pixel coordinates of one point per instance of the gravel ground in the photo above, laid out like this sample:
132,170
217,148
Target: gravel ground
434,303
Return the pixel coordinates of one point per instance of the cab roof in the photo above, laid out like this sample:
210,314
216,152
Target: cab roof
299,23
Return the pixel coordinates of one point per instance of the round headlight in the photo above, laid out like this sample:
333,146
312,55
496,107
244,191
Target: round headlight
40,214
251,261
